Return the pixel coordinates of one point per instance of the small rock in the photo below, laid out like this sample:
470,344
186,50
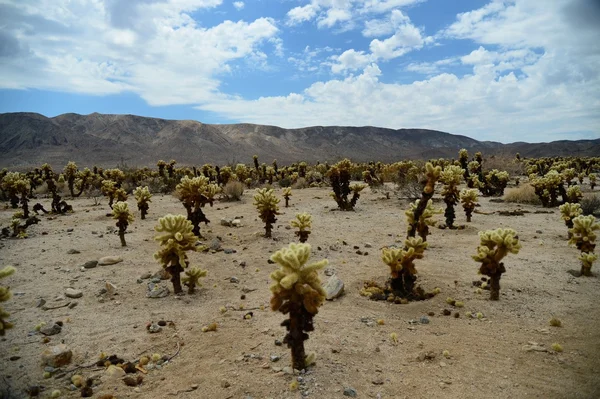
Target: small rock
424,320
114,372
334,288
226,222
278,342
329,271
534,348
41,302
274,358
539,231
73,293
234,280
368,245
156,291
133,381
377,381
111,289
72,305
154,328
146,276
236,223
109,260
70,230
57,356
229,251
73,252
90,264
349,391
225,384
51,330
215,245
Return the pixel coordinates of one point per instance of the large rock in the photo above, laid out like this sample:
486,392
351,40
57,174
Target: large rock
109,260
57,356
334,288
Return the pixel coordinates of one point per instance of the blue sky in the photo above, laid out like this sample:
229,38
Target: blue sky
518,70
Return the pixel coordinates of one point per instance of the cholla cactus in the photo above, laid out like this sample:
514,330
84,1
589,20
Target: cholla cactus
5,296
297,291
574,194
339,177
142,196
468,198
425,218
287,193
583,236
110,189
592,177
586,263
176,238
495,245
495,182
266,203
417,221
451,176
8,185
192,278
70,172
195,193
123,217
568,211
463,159
402,267
303,223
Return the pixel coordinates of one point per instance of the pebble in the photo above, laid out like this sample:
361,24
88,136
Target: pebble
349,391
278,342
109,260
70,230
157,291
90,264
57,356
225,384
274,358
146,275
73,251
41,302
334,288
73,293
229,251
424,320
234,280
368,245
51,330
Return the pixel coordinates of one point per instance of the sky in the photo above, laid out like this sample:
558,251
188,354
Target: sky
518,70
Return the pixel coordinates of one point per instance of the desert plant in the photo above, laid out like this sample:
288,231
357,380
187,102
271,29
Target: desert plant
584,238
195,193
287,193
402,267
451,177
339,178
494,246
524,194
142,196
297,291
266,203
5,296
495,182
468,198
9,187
592,177
233,190
425,218
568,211
192,278
123,217
303,223
415,221
574,194
590,204
463,159
111,189
176,238
70,172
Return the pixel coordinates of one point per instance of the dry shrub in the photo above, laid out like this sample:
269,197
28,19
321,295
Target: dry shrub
507,164
300,183
590,205
233,190
523,194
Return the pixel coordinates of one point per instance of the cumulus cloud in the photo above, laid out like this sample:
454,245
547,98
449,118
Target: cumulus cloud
239,5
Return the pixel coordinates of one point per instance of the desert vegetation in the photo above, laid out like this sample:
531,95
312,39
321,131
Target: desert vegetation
389,247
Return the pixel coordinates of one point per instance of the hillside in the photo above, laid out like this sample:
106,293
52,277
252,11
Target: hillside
28,139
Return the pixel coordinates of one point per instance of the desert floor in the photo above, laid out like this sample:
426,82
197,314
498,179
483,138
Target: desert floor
487,357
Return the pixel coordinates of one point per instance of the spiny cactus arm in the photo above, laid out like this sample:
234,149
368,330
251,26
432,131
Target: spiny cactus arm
587,259
432,173
357,187
142,194
121,212
393,257
287,191
583,230
569,210
302,222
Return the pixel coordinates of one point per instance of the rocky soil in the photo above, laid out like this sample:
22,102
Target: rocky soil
104,309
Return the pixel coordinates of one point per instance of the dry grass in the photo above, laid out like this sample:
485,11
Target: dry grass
233,190
523,194
590,204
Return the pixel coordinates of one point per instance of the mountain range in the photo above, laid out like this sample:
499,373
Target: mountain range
30,139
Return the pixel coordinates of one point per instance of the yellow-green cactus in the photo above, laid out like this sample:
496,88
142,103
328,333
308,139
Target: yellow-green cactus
287,193
586,263
339,177
297,290
5,296
583,236
468,198
9,186
123,217
194,193
451,177
109,189
266,202
495,182
143,197
402,267
574,194
425,218
593,178
568,211
192,278
417,222
176,238
495,245
303,223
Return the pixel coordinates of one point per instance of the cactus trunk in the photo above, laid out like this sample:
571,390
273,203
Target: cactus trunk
122,238
586,271
449,214
300,320
175,272
495,286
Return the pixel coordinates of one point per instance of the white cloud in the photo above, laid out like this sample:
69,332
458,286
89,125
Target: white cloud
297,15
239,5
333,16
351,60
382,27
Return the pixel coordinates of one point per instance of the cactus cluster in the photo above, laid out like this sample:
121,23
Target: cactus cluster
194,193
5,296
143,197
266,203
297,291
451,177
339,177
583,236
402,267
303,223
123,216
176,238
494,246
287,193
425,218
468,198
417,215
568,212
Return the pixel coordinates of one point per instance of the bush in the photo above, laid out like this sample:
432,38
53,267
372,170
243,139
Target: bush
300,183
523,194
285,182
233,190
590,205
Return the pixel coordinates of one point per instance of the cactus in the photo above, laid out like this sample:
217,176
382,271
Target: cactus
574,194
451,177
495,182
468,198
586,263
123,217
176,238
592,177
195,193
569,211
287,193
463,159
417,221
8,185
192,278
339,177
266,203
303,223
425,219
297,291
5,296
495,245
583,236
142,196
402,267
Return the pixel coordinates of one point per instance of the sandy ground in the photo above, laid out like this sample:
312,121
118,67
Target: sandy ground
486,357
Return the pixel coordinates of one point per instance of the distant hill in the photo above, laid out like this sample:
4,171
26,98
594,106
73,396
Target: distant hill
29,139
